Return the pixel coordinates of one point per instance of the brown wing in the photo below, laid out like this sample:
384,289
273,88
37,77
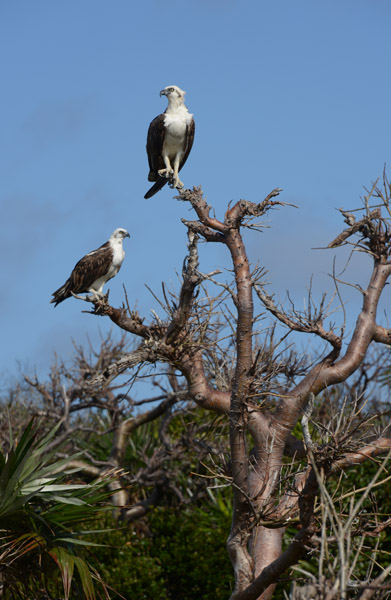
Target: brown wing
89,268
190,131
155,140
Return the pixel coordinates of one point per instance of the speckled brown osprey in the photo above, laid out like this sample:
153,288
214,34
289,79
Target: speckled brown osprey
94,269
169,141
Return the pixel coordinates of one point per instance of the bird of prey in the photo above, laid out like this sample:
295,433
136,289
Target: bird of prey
169,141
94,269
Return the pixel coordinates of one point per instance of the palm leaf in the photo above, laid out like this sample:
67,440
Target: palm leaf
39,512
86,579
65,563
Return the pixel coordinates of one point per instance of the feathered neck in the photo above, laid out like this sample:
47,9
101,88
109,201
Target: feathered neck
174,103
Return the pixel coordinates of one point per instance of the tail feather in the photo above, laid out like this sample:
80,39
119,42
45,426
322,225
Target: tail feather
161,182
60,295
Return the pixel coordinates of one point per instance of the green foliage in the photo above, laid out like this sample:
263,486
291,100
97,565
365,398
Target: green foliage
192,549
373,546
40,518
368,550
126,563
175,554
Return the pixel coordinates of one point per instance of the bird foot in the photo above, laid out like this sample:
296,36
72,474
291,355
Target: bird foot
85,298
175,182
167,173
95,297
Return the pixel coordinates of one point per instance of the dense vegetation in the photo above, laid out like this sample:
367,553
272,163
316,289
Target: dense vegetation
174,551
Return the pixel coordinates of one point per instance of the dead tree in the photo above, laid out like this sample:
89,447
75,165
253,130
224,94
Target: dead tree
261,395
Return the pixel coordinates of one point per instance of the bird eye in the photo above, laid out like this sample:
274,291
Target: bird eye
170,89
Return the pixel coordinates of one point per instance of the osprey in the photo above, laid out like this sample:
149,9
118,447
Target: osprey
169,141
94,269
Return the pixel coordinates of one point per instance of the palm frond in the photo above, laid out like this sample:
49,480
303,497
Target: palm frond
41,515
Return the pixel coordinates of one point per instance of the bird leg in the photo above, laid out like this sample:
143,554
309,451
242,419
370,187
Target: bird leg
168,171
85,298
175,182
95,296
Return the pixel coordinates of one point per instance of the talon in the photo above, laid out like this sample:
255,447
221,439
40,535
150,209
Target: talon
177,183
84,298
167,173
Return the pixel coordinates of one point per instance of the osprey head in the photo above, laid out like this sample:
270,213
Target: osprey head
119,234
173,91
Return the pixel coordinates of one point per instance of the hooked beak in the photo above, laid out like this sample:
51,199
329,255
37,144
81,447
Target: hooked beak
162,93
127,235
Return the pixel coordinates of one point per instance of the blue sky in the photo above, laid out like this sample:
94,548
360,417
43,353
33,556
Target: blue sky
290,94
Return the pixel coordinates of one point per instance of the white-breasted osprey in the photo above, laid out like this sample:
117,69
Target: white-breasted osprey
169,141
94,269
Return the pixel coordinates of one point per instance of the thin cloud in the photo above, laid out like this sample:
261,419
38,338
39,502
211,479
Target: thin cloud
56,120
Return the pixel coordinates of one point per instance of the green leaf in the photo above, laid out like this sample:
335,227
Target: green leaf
85,578
66,563
79,542
68,500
